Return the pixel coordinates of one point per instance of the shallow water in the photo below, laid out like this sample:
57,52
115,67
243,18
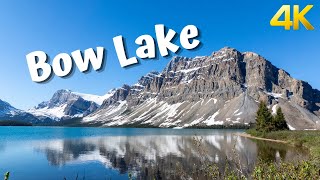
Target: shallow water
117,153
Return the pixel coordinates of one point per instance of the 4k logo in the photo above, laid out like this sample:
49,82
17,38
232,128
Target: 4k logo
298,16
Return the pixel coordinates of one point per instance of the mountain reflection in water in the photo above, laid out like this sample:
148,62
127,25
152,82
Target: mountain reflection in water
164,156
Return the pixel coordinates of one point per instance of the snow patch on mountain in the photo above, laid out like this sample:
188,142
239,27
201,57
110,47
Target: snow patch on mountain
6,108
274,109
66,104
95,98
212,121
291,128
117,108
8,112
276,95
54,113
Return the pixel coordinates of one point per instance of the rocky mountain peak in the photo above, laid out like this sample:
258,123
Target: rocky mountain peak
223,88
146,79
227,50
250,55
175,61
61,97
66,104
5,107
8,112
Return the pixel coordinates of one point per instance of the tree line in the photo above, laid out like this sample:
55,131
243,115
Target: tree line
266,122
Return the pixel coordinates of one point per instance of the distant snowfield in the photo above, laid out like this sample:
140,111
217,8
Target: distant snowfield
58,111
54,113
94,98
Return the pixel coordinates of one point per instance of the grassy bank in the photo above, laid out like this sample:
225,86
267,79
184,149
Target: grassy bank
308,139
264,169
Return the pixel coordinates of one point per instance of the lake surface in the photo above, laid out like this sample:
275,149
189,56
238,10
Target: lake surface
117,153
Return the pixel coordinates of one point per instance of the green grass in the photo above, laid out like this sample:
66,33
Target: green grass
301,170
308,139
263,170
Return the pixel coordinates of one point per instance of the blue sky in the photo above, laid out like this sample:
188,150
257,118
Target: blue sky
64,26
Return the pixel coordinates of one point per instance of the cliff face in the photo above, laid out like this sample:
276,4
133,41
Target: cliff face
220,89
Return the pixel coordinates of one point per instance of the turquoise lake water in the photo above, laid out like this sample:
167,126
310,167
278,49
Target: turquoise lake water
46,153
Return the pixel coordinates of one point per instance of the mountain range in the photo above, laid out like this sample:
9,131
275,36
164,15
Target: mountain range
222,89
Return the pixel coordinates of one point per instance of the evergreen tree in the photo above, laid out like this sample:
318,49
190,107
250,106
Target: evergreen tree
260,121
265,122
279,120
264,118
